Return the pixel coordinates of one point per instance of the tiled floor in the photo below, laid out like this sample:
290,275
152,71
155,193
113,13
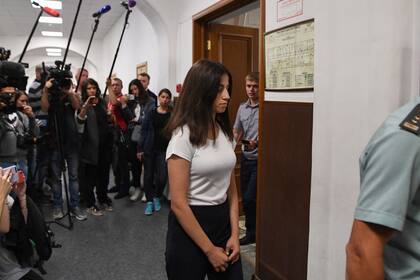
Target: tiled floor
124,244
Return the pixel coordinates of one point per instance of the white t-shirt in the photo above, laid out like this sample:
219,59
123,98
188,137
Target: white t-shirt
211,166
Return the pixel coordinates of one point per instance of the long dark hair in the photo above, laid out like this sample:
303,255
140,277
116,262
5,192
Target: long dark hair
85,84
143,97
195,105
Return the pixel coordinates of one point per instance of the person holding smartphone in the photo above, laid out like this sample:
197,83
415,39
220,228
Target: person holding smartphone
95,153
245,131
203,231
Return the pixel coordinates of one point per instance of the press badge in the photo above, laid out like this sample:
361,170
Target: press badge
411,123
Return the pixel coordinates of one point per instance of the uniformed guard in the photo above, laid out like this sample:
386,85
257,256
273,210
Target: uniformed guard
385,239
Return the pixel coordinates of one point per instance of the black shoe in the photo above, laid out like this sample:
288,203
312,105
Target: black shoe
114,189
246,240
120,195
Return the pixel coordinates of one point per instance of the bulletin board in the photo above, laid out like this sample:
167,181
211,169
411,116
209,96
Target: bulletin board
289,55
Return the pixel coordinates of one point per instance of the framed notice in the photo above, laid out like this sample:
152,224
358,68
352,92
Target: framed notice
141,68
289,57
288,9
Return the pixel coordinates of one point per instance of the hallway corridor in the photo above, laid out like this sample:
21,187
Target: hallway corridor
123,244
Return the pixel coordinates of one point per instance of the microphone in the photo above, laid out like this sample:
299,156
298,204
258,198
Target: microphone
128,4
103,10
47,10
51,12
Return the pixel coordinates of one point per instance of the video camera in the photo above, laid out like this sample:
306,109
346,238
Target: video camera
62,78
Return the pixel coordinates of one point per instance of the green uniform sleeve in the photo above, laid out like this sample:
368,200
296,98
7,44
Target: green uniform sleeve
390,177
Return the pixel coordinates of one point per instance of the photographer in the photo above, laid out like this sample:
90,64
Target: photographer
15,249
95,155
60,101
12,78
140,104
26,128
123,115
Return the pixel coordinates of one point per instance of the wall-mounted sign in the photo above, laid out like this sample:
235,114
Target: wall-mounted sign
289,8
289,57
141,68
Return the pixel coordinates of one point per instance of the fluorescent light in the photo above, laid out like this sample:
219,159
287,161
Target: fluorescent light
57,5
52,34
53,54
55,20
53,50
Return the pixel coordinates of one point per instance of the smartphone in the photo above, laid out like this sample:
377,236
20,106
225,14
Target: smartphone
14,178
245,142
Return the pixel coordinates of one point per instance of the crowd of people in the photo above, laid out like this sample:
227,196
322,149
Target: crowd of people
121,132
59,123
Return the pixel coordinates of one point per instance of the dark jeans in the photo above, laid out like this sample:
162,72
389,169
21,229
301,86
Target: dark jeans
185,260
122,176
249,193
155,164
135,163
72,160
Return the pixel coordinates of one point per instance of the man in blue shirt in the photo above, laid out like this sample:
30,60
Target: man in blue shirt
245,130
385,239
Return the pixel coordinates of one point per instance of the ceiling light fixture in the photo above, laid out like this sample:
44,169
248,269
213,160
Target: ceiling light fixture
54,20
53,50
52,34
57,5
53,54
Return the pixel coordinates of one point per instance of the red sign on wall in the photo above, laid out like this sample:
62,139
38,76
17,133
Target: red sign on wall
288,9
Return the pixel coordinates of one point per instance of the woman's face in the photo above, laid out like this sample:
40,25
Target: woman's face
91,90
134,90
22,101
222,99
164,99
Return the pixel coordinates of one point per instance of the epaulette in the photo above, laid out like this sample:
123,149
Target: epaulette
411,123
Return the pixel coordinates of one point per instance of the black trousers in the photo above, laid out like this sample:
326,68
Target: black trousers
87,182
135,163
123,176
248,179
102,172
185,260
155,174
31,275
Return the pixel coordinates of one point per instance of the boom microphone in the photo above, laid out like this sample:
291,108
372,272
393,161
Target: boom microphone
48,10
102,11
51,12
128,4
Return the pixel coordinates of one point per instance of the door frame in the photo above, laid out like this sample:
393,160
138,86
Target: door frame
199,40
201,19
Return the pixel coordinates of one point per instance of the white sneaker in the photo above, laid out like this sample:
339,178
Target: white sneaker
58,213
131,190
135,195
143,198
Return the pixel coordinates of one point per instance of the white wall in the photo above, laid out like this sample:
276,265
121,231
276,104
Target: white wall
38,44
366,65
139,44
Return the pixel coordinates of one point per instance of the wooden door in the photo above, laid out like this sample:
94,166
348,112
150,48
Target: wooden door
237,48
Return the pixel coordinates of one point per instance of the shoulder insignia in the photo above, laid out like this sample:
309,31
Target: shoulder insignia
411,123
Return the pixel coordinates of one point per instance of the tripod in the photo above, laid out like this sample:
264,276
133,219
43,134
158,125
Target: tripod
63,167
